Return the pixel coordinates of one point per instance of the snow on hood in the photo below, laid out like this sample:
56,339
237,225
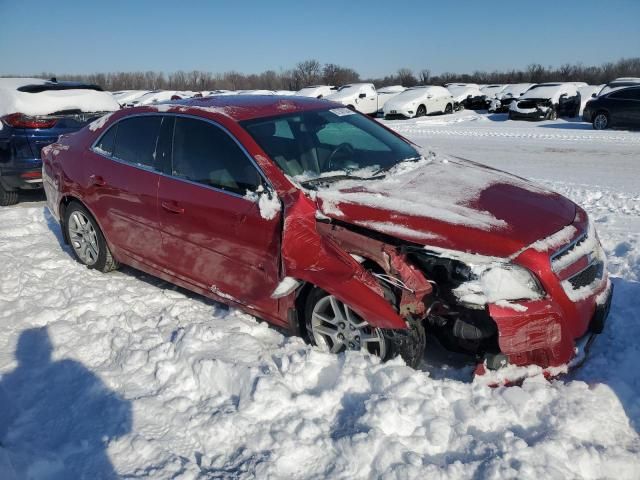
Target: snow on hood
514,91
51,101
551,92
494,213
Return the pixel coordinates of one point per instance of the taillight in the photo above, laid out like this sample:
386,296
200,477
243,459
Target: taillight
20,120
31,175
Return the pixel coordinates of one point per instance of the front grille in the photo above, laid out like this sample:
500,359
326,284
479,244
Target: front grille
556,257
527,104
587,276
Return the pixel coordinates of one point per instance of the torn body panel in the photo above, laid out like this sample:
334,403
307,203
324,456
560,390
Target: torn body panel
320,254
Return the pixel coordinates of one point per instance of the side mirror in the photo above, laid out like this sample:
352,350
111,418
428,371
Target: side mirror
362,95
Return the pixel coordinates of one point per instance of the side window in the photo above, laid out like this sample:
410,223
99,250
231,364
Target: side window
136,140
204,153
107,141
626,94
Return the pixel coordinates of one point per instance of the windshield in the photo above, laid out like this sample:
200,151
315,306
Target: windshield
329,142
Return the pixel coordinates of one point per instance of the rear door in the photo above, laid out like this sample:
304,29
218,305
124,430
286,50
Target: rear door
213,233
625,106
122,190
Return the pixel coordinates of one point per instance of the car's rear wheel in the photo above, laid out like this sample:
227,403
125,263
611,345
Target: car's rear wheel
335,327
86,239
448,109
600,121
422,111
7,197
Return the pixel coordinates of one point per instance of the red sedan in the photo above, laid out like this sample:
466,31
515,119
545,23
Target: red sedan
319,219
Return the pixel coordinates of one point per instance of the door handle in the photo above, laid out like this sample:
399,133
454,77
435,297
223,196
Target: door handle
172,207
97,180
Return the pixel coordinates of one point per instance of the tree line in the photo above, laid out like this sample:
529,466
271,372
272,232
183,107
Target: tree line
312,72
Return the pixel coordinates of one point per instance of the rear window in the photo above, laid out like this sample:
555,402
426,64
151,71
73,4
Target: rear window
136,140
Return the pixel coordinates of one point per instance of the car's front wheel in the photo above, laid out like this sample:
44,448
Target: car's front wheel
7,197
86,239
448,109
335,327
600,121
552,114
421,112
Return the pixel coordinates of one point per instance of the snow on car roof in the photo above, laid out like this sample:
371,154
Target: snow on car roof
48,101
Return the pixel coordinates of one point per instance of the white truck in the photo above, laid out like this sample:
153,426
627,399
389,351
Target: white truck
362,97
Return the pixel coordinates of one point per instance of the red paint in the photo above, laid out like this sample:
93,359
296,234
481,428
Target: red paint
218,244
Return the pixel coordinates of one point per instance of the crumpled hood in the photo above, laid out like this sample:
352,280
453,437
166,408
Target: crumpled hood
452,204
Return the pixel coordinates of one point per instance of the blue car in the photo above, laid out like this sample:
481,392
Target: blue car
33,114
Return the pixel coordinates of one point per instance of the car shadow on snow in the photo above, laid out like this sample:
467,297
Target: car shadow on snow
615,354
57,418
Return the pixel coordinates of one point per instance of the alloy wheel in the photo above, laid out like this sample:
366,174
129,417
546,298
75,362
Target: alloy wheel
335,328
83,238
600,122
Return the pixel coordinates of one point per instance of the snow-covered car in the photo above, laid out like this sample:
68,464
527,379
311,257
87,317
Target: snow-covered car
491,92
324,222
502,101
33,114
419,101
588,92
621,82
316,91
362,97
466,96
125,97
546,101
159,96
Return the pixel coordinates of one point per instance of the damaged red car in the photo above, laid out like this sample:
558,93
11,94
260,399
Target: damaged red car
321,220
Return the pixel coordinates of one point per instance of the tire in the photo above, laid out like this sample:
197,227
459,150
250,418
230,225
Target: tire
86,239
421,112
351,107
600,121
448,109
7,197
552,114
324,327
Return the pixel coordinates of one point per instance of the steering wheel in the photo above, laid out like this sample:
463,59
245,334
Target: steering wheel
348,149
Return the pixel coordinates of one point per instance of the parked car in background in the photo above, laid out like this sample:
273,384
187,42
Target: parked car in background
33,114
619,107
125,97
502,101
466,96
159,96
362,97
317,91
619,83
492,91
324,222
419,101
546,101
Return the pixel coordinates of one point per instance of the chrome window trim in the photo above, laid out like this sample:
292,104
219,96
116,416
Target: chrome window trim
163,174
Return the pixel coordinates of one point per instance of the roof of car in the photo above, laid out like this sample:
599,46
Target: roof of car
248,107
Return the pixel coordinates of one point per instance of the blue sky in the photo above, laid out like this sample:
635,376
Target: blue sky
373,37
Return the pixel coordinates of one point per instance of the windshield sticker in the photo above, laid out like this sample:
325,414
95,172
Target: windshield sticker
342,112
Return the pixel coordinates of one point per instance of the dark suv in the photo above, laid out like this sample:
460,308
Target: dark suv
33,114
619,108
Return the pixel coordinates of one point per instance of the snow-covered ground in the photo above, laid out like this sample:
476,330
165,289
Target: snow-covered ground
122,373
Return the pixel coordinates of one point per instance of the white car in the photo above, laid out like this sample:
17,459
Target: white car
503,99
419,101
125,97
546,101
362,97
492,91
158,96
465,95
387,93
316,91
